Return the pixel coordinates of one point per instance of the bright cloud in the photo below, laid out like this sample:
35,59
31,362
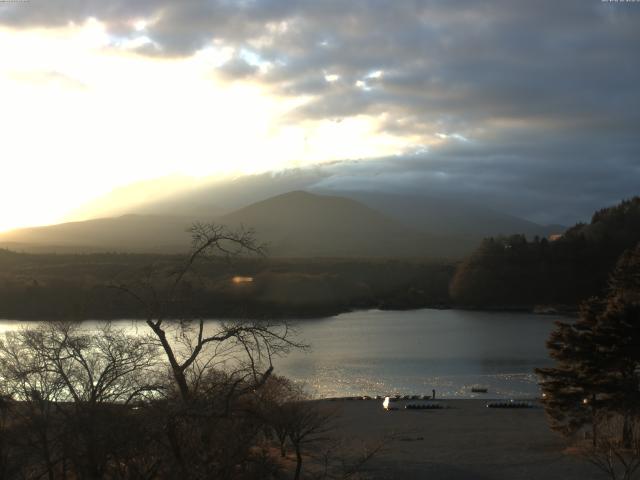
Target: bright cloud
82,116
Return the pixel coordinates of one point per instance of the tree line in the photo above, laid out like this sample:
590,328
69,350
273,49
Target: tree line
43,287
516,272
594,387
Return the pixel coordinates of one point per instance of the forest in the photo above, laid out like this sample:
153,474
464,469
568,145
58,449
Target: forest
56,286
515,272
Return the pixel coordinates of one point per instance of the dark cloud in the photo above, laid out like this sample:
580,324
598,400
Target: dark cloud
546,91
526,177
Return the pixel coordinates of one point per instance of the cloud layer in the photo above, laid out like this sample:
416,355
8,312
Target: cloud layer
531,106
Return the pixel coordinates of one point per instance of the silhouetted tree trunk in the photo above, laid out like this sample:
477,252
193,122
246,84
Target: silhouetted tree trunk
298,462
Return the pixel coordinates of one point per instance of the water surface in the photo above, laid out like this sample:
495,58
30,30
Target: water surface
413,352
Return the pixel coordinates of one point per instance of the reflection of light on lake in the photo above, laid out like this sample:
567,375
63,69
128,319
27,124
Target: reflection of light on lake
409,353
413,353
333,382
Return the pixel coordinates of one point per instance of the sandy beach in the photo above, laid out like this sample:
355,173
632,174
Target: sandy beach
463,441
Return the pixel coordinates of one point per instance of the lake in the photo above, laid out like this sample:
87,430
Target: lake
412,352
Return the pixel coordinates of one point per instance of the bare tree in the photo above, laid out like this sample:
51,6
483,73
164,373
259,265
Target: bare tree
27,379
191,347
97,366
309,424
216,367
74,388
274,406
310,427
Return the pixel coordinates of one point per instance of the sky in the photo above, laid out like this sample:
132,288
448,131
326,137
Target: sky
529,107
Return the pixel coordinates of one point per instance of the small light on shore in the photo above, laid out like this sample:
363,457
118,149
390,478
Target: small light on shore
238,280
585,401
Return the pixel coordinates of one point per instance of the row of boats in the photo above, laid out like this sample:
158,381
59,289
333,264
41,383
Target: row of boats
510,404
382,397
408,397
390,403
424,406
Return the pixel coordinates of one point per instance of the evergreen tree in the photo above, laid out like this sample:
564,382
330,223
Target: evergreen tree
598,358
617,334
571,388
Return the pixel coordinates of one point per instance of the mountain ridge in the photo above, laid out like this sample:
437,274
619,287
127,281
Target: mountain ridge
295,224
431,213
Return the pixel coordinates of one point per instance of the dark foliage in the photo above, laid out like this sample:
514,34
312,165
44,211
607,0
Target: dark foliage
597,372
73,286
513,272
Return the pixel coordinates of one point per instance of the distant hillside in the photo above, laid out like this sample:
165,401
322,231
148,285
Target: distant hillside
128,233
513,272
296,224
451,217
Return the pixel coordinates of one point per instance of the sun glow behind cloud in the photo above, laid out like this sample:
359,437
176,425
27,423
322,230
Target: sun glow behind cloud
82,115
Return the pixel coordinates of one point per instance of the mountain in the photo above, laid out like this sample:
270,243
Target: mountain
442,216
304,224
295,224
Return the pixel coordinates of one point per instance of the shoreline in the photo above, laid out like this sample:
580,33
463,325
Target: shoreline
317,315
464,441
368,399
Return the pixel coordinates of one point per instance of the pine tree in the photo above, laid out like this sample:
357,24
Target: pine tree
598,358
571,389
618,335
